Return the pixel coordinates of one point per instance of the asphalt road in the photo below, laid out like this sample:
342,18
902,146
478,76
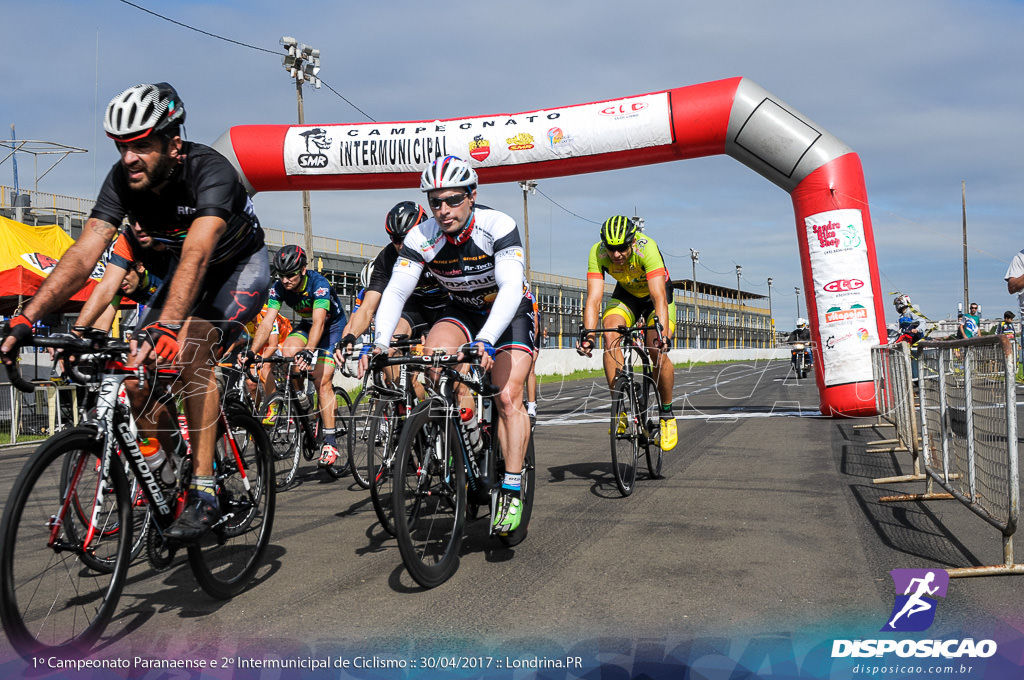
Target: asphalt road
764,541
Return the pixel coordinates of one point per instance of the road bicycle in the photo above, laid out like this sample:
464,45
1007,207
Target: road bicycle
294,430
440,478
378,414
67,527
634,408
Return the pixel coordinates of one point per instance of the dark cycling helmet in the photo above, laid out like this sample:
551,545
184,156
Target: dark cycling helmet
449,172
618,231
403,217
289,260
141,110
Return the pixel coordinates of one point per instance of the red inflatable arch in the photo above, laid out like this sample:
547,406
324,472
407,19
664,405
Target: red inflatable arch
734,117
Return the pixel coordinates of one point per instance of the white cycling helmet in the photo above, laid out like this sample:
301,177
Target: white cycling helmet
450,172
141,110
801,322
365,273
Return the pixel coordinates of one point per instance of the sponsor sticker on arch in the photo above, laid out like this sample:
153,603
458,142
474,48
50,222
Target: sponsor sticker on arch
504,139
842,286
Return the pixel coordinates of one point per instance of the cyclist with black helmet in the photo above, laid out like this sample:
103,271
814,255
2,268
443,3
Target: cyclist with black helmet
318,328
642,288
427,301
476,254
188,197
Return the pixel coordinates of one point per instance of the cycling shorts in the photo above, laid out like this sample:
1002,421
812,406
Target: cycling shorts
631,308
520,334
421,319
228,296
328,339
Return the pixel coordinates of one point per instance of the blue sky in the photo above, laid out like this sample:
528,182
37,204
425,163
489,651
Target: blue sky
928,93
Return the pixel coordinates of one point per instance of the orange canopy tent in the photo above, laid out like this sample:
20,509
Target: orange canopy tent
27,255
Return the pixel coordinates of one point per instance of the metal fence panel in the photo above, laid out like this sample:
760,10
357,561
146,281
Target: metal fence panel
969,425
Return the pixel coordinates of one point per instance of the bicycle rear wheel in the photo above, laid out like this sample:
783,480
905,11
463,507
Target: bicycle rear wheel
227,558
625,433
382,447
358,428
285,440
649,403
51,600
429,496
342,413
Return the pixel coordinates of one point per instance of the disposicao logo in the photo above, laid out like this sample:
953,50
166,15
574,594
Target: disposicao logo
917,591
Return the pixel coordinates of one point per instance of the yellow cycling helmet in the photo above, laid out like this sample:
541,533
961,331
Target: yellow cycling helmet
618,231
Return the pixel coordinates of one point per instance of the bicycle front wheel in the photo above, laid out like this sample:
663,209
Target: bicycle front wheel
51,600
355,440
429,496
382,448
82,502
342,413
285,436
625,433
227,558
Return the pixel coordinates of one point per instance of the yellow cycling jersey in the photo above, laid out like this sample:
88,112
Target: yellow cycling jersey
643,264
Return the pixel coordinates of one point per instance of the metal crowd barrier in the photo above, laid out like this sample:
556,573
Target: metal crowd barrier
894,397
968,414
27,417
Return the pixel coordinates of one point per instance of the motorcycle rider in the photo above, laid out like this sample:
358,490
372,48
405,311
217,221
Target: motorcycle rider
801,334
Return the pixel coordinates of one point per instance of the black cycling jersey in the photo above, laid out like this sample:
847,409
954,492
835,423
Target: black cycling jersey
428,294
203,184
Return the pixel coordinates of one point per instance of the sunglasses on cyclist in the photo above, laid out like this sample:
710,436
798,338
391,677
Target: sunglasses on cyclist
289,275
451,201
618,249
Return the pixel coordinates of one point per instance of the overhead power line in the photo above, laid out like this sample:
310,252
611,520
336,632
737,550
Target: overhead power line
240,44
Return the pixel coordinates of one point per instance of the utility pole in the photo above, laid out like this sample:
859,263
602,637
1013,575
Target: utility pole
529,187
303,63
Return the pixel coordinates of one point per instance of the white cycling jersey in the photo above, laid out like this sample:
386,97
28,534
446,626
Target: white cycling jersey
482,269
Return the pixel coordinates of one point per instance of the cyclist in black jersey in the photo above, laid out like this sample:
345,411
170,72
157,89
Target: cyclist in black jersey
477,255
189,197
427,302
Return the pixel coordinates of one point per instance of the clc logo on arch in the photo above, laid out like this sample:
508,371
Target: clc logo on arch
842,285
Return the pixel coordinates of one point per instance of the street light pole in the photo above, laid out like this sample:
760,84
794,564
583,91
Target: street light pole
797,289
694,258
303,63
529,187
771,319
739,305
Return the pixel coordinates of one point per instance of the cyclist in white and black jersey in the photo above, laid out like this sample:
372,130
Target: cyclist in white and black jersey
476,254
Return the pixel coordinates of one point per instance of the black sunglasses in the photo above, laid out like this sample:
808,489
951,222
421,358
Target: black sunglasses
451,201
618,249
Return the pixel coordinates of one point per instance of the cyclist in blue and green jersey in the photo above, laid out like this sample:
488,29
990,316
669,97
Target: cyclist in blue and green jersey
642,289
318,327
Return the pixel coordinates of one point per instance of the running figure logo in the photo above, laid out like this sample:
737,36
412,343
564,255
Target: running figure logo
916,593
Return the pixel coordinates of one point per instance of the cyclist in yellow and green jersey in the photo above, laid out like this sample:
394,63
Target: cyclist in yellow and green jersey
642,290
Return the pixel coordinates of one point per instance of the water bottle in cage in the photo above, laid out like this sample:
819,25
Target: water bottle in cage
471,427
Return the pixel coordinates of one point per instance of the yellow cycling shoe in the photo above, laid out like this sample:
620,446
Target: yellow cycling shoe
669,438
621,424
271,414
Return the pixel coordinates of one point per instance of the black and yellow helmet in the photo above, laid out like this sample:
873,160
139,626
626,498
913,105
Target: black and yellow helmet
618,231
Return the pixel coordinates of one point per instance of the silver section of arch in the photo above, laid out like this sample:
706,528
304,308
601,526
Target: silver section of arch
227,149
776,141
